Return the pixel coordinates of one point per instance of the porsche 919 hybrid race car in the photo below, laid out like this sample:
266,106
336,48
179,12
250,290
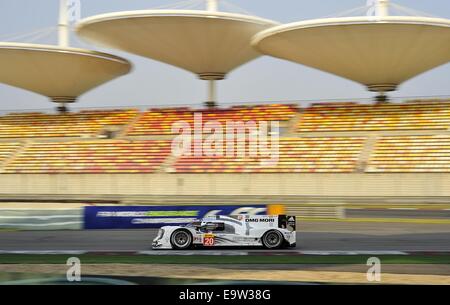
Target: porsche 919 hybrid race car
271,232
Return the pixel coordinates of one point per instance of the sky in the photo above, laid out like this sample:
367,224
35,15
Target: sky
264,79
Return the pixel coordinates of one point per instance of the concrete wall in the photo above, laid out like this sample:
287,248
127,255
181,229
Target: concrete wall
355,184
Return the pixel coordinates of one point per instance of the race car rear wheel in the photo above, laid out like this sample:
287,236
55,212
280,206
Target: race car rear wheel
181,239
272,239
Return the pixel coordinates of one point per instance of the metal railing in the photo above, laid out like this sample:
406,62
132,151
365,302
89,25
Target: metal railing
41,219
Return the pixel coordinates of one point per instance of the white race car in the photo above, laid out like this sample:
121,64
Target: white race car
272,232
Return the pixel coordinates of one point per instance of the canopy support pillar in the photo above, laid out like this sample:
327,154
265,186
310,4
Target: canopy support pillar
212,5
212,93
62,102
381,89
381,97
63,25
382,8
212,78
62,108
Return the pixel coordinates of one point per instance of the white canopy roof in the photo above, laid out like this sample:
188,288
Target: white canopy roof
207,43
62,74
380,52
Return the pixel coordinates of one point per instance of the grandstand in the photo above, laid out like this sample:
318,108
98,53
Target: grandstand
325,150
35,125
411,154
340,149
383,116
91,157
160,121
296,155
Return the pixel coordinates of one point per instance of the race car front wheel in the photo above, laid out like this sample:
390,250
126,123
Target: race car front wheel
272,239
181,239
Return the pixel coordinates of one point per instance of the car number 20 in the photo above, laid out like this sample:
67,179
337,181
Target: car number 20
208,240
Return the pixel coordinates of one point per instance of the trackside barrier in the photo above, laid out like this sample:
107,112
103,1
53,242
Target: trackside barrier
135,217
319,211
41,219
141,217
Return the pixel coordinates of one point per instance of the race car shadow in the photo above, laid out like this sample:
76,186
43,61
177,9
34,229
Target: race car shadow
203,248
284,246
229,248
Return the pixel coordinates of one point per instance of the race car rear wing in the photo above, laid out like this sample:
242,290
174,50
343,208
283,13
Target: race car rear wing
287,222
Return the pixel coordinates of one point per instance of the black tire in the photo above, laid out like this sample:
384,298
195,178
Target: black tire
181,239
273,239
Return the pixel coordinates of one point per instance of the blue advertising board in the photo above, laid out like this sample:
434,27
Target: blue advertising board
142,217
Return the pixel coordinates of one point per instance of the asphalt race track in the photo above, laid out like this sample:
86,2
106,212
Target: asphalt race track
310,237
